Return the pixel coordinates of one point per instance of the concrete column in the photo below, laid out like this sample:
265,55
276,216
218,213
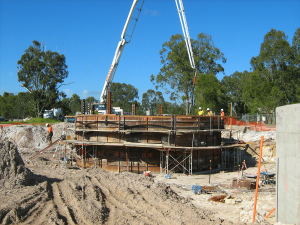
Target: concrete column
288,164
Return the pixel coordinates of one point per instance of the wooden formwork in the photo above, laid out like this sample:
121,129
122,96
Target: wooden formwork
138,143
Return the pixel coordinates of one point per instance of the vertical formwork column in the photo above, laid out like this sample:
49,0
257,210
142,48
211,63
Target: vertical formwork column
82,143
127,160
191,163
184,162
167,161
160,161
108,107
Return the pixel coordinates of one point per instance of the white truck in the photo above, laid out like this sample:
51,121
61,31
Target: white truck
101,107
53,114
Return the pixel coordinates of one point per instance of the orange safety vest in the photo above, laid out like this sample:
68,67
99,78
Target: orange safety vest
222,114
49,129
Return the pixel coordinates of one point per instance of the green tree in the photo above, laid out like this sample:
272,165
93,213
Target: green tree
24,105
295,63
64,104
274,65
173,108
41,72
151,101
75,104
90,99
209,93
123,95
8,105
176,71
234,87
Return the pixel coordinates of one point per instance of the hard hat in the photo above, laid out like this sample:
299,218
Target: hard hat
200,108
222,110
208,109
47,124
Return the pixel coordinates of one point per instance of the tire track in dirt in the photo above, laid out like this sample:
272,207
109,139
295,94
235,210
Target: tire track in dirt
123,202
82,200
24,206
39,213
62,209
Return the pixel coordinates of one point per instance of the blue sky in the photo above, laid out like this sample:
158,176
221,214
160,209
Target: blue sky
88,31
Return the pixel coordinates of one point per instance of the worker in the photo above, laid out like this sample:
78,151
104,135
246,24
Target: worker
222,113
209,112
200,113
50,133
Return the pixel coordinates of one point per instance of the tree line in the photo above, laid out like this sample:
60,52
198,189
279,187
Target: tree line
273,80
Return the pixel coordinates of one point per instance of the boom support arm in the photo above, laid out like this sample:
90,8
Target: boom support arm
119,50
185,30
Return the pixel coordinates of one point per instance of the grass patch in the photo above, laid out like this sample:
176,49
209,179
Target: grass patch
33,121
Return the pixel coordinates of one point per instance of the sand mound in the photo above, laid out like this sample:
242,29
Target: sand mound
31,138
13,171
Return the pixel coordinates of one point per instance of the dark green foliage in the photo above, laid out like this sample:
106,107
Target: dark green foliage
40,72
7,103
275,80
173,108
176,71
123,95
90,99
210,93
75,104
15,106
151,101
234,87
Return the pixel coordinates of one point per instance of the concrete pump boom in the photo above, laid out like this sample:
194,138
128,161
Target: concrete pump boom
185,30
119,50
122,43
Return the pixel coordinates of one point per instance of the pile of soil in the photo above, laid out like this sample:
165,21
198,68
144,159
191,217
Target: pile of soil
31,138
54,194
95,196
12,168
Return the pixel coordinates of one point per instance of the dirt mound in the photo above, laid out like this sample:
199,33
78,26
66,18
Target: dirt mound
31,138
95,196
13,171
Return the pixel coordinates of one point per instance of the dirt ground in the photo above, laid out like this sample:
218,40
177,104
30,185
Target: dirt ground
46,191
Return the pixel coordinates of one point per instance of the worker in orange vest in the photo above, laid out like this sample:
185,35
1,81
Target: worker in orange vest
222,113
50,133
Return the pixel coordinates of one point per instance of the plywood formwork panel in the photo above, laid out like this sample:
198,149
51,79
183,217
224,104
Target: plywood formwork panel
109,131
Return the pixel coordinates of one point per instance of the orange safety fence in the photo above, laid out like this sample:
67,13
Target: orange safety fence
258,126
11,124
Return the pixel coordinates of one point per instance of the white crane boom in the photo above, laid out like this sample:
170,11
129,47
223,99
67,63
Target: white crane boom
185,30
122,43
119,50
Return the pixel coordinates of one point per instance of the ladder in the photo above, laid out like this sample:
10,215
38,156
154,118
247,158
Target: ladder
45,149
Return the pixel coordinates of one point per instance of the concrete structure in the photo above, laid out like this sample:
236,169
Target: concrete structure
152,143
288,164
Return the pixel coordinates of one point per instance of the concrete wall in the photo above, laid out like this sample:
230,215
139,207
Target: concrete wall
288,164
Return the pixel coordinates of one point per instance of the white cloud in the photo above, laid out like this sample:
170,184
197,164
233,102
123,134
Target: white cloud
68,92
10,73
151,12
95,94
85,93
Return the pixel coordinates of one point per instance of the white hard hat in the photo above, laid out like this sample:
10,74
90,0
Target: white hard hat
47,124
200,108
208,109
222,110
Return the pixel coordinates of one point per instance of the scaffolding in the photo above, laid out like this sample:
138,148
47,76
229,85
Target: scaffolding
177,139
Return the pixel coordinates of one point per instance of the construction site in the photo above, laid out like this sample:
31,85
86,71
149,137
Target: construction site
112,169
108,166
